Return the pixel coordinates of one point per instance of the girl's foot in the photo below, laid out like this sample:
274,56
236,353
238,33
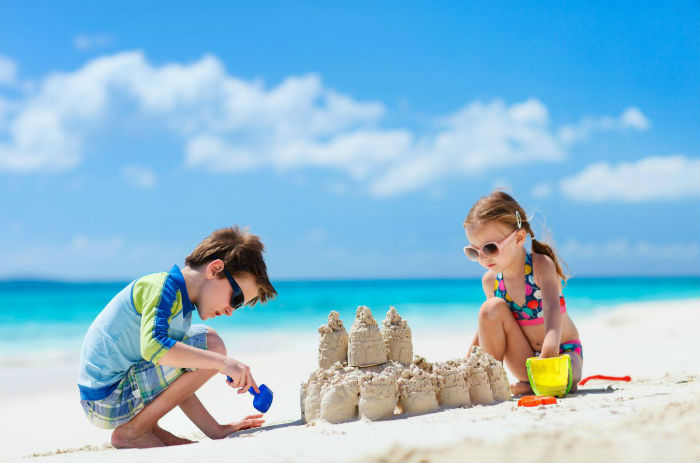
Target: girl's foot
521,388
169,438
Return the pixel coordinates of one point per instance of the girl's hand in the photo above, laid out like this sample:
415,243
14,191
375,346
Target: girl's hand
249,422
549,351
240,375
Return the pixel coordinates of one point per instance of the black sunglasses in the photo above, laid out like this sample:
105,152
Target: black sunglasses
237,298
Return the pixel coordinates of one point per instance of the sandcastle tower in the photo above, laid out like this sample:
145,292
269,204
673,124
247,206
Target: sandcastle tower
311,397
397,337
417,391
479,387
379,394
366,346
453,388
333,346
340,395
497,377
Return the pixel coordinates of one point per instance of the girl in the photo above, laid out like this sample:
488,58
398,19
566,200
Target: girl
524,314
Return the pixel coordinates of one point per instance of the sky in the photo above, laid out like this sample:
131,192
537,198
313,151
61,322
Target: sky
351,137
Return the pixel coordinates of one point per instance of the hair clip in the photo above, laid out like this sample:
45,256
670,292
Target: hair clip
520,221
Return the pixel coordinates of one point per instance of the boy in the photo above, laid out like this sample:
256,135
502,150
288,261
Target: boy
141,356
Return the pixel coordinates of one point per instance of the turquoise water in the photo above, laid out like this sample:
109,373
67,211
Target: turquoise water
40,315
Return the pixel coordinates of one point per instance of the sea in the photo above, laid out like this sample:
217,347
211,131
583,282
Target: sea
49,316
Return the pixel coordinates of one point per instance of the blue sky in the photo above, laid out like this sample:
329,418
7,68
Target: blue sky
352,138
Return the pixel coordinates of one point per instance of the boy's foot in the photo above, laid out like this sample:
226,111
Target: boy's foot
169,438
521,388
123,437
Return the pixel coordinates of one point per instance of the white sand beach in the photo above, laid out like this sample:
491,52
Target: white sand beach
656,417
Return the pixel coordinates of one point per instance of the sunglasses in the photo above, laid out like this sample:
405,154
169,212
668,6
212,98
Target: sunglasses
237,298
491,249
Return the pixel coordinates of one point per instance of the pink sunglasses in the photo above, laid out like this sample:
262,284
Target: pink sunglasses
491,249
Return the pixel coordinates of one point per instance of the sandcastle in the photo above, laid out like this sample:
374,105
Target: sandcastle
373,375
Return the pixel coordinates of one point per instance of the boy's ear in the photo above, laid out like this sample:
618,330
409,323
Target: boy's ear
214,268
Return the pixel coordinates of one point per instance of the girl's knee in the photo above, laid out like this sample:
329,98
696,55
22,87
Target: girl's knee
214,342
492,309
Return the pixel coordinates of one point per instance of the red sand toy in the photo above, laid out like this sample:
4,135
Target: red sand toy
535,400
609,378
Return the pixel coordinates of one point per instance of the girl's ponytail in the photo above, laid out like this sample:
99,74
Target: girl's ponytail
543,248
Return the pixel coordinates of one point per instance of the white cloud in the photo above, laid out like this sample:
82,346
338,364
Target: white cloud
79,256
204,106
227,125
652,178
86,42
477,138
139,176
633,118
542,190
8,71
630,118
624,249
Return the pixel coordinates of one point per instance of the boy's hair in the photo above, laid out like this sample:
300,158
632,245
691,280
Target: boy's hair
501,207
241,251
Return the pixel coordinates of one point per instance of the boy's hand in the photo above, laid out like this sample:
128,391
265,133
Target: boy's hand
240,374
249,422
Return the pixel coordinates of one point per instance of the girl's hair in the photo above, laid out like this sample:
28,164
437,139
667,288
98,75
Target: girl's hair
503,208
241,251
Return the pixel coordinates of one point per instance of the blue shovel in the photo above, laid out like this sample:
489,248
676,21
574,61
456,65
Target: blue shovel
262,400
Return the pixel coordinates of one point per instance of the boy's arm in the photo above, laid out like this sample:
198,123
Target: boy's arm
182,355
195,411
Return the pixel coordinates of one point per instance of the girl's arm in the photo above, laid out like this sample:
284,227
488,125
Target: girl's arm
548,281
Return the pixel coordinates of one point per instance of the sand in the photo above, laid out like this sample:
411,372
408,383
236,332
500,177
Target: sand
653,418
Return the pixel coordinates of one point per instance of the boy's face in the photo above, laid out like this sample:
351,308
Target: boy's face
215,293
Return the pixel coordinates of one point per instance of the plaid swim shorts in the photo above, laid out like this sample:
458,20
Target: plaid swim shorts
142,383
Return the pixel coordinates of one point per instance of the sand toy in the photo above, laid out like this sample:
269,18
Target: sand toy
550,376
604,377
535,400
262,400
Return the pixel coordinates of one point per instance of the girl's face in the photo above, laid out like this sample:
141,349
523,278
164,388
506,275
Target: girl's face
480,234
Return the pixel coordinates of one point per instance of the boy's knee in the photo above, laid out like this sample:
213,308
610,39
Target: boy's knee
492,309
214,342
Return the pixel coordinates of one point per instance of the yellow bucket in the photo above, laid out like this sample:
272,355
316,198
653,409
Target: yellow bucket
550,376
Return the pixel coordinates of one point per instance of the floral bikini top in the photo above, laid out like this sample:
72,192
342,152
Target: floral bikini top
531,312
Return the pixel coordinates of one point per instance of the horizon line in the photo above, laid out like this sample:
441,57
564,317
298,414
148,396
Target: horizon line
35,279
